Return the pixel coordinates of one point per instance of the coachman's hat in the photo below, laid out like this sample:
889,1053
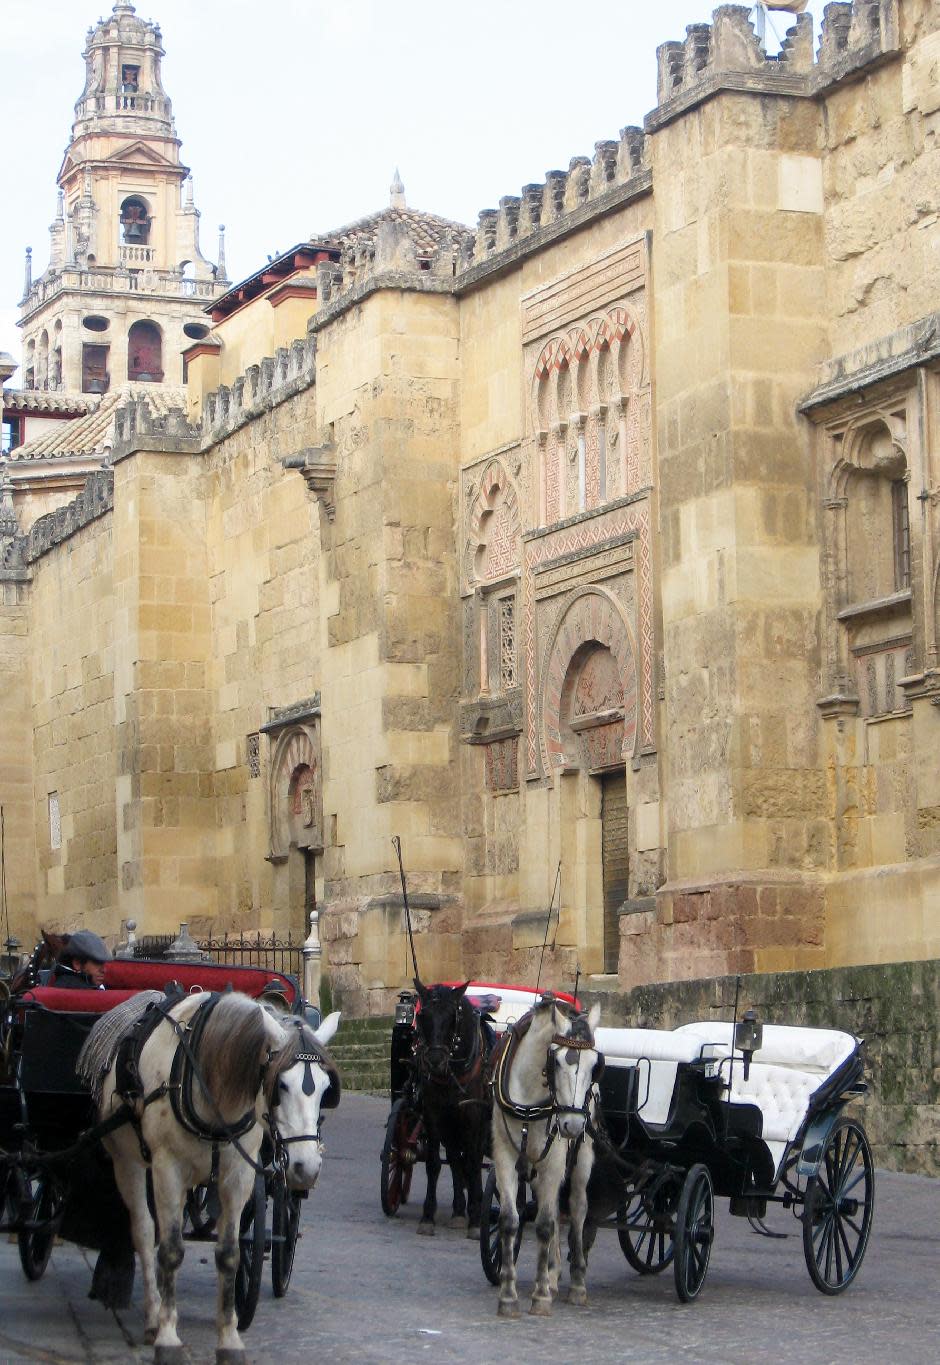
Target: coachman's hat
85,945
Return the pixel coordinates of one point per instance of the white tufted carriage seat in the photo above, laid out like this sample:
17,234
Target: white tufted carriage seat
790,1066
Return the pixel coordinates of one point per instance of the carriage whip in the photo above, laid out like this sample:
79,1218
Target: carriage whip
404,891
547,923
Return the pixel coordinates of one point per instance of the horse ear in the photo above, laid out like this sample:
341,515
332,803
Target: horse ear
421,988
460,991
594,1017
329,1026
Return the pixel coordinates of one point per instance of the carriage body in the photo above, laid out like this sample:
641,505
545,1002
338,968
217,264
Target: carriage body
45,1108
688,1117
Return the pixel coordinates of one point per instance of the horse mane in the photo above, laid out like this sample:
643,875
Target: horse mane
232,1050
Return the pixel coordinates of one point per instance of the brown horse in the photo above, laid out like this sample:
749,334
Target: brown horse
45,954
450,1057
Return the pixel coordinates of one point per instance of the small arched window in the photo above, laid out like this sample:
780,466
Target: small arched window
145,353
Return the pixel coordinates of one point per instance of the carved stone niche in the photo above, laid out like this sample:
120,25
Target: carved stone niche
295,791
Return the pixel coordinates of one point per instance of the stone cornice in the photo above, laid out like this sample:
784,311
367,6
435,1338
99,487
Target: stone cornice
296,714
884,361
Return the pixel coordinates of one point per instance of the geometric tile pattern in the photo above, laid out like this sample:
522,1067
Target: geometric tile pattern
492,545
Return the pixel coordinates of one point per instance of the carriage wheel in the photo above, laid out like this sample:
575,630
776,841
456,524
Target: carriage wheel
198,1211
695,1232
838,1207
40,1213
285,1229
491,1247
644,1233
251,1254
399,1155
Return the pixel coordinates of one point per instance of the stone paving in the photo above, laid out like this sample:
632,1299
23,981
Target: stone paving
366,1289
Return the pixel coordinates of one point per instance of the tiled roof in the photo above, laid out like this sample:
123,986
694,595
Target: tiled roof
93,433
40,400
426,230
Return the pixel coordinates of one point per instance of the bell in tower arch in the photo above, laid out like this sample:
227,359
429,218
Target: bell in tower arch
135,222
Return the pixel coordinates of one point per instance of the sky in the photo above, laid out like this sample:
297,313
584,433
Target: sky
294,114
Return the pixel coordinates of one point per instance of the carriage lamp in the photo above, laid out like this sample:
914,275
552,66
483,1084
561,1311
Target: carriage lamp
405,1008
748,1036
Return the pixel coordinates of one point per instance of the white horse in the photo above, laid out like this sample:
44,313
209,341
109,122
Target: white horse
214,1074
544,1096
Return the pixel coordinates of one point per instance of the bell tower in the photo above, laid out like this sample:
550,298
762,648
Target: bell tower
126,285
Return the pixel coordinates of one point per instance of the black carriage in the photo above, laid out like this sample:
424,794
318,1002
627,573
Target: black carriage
405,1145
56,1178
751,1113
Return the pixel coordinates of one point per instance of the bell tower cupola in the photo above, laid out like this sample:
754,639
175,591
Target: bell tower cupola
124,258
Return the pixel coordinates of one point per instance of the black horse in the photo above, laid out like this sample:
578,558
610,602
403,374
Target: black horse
452,1095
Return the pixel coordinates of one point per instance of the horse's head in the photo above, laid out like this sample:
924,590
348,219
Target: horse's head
573,1066
45,954
443,1025
302,1082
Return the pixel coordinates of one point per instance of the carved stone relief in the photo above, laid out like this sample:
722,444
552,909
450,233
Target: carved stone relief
296,790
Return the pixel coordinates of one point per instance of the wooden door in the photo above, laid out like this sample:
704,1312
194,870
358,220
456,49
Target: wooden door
614,856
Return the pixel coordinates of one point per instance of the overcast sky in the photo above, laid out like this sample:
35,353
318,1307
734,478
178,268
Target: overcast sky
293,114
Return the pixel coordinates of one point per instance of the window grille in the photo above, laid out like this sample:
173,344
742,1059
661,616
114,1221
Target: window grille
507,643
902,535
253,752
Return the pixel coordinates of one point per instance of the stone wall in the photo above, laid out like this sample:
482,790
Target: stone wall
895,1008
70,670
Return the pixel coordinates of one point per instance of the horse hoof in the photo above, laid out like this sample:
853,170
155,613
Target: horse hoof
168,1355
150,1335
425,1229
227,1355
578,1297
507,1309
541,1308
458,1222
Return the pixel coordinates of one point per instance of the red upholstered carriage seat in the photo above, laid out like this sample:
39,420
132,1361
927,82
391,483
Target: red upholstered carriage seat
124,978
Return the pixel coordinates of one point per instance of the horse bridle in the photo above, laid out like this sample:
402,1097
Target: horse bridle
549,1110
308,1052
457,1071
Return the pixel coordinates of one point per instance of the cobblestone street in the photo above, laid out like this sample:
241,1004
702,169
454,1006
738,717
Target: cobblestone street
366,1289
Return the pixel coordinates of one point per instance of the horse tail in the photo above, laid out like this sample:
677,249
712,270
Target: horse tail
232,1050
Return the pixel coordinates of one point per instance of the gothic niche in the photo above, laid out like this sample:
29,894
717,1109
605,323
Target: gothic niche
296,792
869,538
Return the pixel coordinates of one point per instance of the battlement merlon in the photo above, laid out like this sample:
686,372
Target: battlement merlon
727,55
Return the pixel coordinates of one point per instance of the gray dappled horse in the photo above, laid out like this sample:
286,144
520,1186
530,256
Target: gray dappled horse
545,1101
215,1072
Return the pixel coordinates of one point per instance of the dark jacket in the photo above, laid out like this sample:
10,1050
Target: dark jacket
71,979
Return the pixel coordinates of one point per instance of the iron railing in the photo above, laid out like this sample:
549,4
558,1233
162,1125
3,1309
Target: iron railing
240,950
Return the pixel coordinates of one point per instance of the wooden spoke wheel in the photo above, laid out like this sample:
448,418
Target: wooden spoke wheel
695,1232
39,1215
491,1247
644,1230
399,1154
285,1229
837,1211
251,1236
